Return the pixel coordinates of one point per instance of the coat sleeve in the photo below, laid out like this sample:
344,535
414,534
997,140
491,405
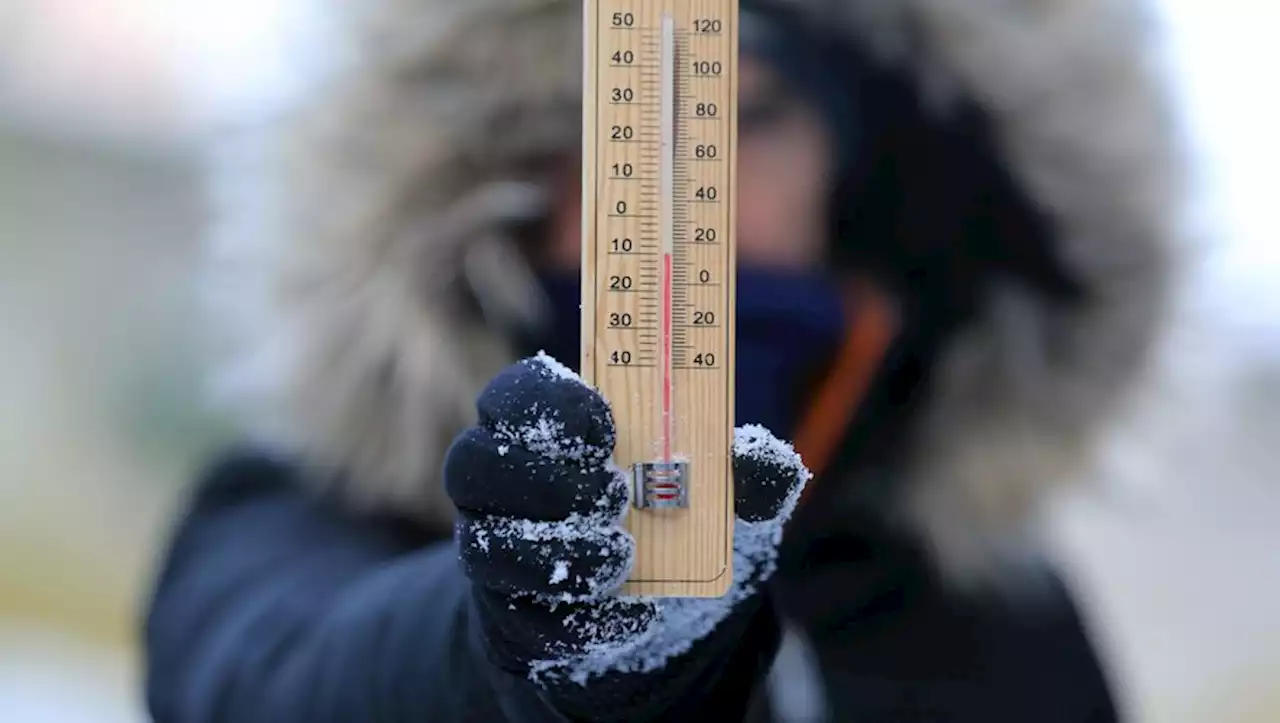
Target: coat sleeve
273,607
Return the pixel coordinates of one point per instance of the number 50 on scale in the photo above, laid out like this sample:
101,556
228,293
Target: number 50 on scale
659,160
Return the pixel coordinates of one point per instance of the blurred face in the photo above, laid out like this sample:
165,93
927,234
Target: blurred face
784,179
784,174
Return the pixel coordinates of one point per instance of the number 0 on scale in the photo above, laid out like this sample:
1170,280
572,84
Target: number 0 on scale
659,148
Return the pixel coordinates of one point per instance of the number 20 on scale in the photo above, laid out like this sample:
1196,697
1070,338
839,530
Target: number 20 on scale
659,158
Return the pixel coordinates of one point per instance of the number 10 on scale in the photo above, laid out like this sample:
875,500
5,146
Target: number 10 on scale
660,109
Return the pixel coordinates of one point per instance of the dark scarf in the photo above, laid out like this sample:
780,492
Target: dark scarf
788,325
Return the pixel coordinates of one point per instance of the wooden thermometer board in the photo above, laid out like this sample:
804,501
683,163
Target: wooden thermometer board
659,149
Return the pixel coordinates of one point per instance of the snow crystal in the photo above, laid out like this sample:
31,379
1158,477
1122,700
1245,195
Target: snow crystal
574,528
545,437
680,622
560,573
752,441
558,369
601,532
619,640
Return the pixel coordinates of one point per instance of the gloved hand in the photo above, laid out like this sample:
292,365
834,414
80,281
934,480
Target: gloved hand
539,530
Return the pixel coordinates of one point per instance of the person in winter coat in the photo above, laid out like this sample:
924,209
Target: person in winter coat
955,240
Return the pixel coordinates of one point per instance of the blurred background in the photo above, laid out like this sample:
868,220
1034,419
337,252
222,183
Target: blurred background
105,108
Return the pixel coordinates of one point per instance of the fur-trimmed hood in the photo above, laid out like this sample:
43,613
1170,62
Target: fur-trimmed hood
366,250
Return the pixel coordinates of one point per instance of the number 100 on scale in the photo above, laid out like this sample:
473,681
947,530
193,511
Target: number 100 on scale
663,148
658,282
665,177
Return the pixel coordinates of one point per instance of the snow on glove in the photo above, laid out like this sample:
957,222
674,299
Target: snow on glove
541,504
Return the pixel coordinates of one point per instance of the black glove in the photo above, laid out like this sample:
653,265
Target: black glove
540,533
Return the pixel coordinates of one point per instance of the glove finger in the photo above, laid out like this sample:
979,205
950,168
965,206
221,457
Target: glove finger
567,560
523,630
541,405
483,474
768,475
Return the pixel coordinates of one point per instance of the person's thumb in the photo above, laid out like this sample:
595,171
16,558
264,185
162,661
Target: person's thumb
768,476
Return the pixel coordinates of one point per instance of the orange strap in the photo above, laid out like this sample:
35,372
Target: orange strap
872,326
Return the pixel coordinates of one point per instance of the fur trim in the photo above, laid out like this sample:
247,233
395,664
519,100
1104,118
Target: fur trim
377,240
1025,396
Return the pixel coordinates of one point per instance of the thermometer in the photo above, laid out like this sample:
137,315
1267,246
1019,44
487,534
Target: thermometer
659,147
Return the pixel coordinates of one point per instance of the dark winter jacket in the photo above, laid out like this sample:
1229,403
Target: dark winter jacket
1019,205
275,607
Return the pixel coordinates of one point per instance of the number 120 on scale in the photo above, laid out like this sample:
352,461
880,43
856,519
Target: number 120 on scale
660,90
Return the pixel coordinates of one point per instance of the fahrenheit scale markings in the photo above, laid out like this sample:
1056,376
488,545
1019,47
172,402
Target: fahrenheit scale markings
659,149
